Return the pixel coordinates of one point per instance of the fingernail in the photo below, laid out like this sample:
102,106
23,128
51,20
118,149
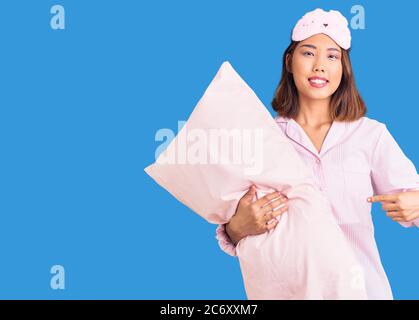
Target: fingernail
369,199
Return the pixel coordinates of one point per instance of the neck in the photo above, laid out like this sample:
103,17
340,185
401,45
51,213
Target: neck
313,112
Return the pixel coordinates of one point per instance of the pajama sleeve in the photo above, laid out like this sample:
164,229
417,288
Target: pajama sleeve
392,171
224,241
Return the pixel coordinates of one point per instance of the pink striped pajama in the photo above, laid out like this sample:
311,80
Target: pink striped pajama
358,159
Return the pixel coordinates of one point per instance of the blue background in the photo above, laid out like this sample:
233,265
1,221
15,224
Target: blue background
79,109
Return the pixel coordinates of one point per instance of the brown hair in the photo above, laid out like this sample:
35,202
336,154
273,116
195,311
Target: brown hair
346,103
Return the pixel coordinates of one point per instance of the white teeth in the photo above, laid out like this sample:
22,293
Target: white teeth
317,81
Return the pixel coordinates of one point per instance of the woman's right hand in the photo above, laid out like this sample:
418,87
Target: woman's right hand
254,217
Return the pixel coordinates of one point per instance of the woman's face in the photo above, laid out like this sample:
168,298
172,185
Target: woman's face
316,67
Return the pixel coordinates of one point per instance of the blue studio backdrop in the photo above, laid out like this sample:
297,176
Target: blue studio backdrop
79,110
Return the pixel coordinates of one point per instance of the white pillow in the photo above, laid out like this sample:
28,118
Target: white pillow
306,256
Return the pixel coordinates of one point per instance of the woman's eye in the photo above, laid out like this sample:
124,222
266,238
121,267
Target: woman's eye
308,53
334,57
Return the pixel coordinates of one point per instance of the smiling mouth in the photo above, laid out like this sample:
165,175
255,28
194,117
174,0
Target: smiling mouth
318,82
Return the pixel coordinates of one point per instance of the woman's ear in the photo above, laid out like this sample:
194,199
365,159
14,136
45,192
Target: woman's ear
288,60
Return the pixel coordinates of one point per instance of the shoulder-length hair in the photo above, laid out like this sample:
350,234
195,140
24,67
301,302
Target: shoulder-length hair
346,102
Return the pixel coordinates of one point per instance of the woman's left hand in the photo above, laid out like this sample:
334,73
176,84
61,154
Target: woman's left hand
400,207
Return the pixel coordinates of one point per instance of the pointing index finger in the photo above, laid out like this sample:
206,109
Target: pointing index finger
383,197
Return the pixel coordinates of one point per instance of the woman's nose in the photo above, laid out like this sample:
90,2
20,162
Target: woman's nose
318,69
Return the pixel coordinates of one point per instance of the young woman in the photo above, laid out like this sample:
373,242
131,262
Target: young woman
351,156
